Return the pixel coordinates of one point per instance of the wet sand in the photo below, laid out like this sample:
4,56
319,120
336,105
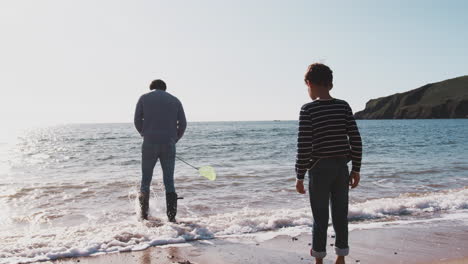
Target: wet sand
417,243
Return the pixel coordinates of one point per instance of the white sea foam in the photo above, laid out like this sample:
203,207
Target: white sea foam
88,239
97,237
411,204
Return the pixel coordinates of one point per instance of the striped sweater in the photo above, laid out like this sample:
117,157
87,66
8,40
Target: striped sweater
327,128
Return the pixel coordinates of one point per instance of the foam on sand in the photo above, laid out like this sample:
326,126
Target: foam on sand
97,236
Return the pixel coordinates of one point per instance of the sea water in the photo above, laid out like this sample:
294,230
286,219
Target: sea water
71,190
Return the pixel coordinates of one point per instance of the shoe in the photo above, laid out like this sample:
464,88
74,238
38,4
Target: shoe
171,206
144,205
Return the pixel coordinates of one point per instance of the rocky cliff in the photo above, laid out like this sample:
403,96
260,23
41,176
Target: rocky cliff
446,99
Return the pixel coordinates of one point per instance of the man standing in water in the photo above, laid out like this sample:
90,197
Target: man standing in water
160,120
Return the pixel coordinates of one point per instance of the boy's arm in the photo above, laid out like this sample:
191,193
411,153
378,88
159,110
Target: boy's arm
304,144
138,118
354,140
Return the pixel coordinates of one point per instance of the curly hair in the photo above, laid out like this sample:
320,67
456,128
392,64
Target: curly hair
319,74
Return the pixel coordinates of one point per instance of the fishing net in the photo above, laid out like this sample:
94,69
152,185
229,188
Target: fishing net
207,172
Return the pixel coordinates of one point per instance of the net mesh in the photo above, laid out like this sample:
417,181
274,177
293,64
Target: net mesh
207,172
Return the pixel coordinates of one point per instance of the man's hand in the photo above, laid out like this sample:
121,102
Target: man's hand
300,187
354,179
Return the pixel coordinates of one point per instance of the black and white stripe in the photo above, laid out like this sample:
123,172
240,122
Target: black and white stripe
327,128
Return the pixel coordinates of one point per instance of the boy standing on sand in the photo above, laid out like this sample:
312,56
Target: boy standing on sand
328,138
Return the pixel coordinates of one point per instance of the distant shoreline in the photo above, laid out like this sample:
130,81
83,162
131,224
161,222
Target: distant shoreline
460,118
255,121
445,99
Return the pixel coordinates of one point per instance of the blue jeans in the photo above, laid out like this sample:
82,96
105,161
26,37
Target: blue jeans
151,152
329,181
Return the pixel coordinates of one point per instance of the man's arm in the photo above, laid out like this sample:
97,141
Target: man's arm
181,122
304,144
354,140
138,118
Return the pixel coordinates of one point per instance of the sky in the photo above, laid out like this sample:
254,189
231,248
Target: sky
87,61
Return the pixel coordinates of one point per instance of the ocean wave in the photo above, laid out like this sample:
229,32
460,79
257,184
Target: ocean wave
391,209
104,237
410,204
417,172
128,162
85,240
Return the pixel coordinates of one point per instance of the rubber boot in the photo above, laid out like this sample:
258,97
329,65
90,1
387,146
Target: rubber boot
144,204
171,206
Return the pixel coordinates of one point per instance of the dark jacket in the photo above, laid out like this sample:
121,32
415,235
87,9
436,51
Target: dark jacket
160,117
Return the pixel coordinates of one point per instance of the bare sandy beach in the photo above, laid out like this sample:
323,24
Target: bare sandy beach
415,243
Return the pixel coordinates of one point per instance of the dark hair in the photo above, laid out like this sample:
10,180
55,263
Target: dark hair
319,74
158,85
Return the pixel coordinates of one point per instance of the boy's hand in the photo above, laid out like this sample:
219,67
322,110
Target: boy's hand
300,187
354,179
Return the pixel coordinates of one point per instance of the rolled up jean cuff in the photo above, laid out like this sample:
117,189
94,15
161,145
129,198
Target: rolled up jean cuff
341,251
317,254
